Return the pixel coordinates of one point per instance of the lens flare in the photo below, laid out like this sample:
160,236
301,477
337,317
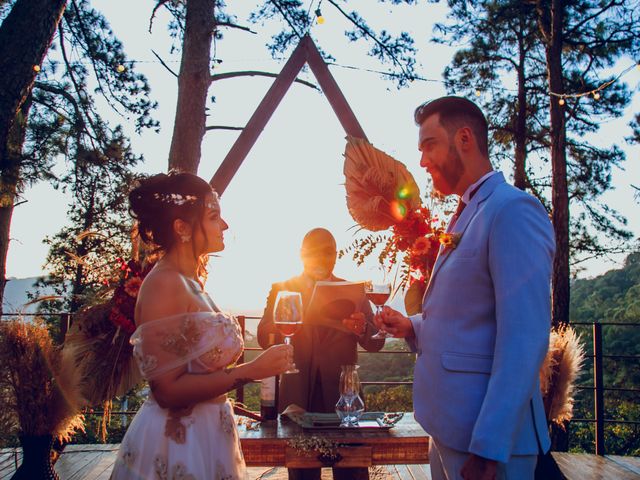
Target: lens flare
404,193
398,210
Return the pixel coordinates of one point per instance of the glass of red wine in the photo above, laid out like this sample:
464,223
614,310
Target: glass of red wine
378,294
287,317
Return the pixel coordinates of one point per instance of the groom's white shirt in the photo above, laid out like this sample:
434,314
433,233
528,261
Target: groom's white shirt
484,329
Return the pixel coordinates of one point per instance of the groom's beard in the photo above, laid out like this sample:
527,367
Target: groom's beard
450,173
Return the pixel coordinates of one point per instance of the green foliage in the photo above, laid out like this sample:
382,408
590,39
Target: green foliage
85,61
397,50
389,399
610,298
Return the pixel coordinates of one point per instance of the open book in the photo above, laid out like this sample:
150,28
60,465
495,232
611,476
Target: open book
331,302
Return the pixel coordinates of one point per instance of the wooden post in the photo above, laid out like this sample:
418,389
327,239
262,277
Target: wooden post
305,52
598,388
330,88
258,121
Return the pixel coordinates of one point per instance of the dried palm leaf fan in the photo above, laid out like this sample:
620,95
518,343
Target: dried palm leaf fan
380,189
558,374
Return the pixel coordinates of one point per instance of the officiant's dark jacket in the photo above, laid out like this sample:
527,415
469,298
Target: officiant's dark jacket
319,352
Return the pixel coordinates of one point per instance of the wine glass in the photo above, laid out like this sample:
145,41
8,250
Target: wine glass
287,316
378,294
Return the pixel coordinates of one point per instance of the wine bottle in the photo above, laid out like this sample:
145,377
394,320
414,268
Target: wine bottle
269,393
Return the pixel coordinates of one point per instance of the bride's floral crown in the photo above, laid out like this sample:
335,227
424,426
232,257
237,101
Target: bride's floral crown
175,198
181,199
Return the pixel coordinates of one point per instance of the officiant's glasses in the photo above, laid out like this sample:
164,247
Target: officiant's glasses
287,317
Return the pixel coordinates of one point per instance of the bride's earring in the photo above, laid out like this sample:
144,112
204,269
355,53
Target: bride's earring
185,238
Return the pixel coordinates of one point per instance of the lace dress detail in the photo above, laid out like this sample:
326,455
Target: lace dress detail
193,443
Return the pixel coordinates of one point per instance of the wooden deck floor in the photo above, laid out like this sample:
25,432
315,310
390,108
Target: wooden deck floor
94,462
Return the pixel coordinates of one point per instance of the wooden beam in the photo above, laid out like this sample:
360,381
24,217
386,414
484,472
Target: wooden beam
258,120
305,52
332,91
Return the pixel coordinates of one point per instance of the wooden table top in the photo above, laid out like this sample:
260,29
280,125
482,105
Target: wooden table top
270,444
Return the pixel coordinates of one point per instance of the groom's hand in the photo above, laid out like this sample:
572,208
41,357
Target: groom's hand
479,468
394,322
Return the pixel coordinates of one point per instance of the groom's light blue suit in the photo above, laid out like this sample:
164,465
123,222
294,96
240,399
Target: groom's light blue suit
484,330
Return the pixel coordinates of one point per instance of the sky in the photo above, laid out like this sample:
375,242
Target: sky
292,180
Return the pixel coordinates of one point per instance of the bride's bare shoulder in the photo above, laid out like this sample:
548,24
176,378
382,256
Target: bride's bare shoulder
163,293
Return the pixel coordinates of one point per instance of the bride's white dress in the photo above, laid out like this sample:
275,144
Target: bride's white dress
196,443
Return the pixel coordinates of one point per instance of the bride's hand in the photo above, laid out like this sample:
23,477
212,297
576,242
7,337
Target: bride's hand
273,361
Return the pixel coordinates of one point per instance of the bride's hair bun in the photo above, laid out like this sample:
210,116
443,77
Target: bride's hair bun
157,201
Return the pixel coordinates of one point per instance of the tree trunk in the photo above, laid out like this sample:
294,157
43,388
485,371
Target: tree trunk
560,192
12,155
552,20
25,36
193,86
520,136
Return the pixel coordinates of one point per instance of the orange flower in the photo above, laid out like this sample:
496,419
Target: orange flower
132,286
421,246
450,240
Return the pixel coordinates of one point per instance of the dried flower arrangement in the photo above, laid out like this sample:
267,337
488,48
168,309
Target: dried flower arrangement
99,336
559,372
40,383
382,196
326,449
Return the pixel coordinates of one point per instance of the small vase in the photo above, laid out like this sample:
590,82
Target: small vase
36,459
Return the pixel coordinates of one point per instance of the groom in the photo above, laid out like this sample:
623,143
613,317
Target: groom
484,328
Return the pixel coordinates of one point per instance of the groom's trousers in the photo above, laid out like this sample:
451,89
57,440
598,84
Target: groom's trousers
446,464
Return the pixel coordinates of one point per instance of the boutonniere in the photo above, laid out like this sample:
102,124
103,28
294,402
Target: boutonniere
450,240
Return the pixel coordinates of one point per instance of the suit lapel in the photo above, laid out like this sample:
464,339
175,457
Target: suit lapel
463,222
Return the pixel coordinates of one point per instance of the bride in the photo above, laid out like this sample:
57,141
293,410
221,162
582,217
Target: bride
184,345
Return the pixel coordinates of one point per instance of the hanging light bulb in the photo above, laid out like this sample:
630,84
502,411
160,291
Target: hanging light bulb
319,17
120,68
36,68
596,95
561,101
478,92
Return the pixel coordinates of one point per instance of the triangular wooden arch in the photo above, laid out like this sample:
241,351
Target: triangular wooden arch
305,52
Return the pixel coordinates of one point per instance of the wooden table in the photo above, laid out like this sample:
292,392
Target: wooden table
268,445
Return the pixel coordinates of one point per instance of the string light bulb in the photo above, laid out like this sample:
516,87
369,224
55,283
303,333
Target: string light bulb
596,95
36,68
120,68
478,92
561,101
319,17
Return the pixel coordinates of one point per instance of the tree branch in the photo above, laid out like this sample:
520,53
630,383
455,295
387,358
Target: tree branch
577,26
286,18
153,13
222,127
369,34
233,25
255,73
164,64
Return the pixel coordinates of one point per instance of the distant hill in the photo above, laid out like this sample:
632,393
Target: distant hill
612,297
15,295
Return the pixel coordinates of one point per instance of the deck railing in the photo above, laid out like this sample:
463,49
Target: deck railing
598,357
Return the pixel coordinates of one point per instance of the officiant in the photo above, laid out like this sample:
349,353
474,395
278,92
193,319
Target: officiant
319,350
